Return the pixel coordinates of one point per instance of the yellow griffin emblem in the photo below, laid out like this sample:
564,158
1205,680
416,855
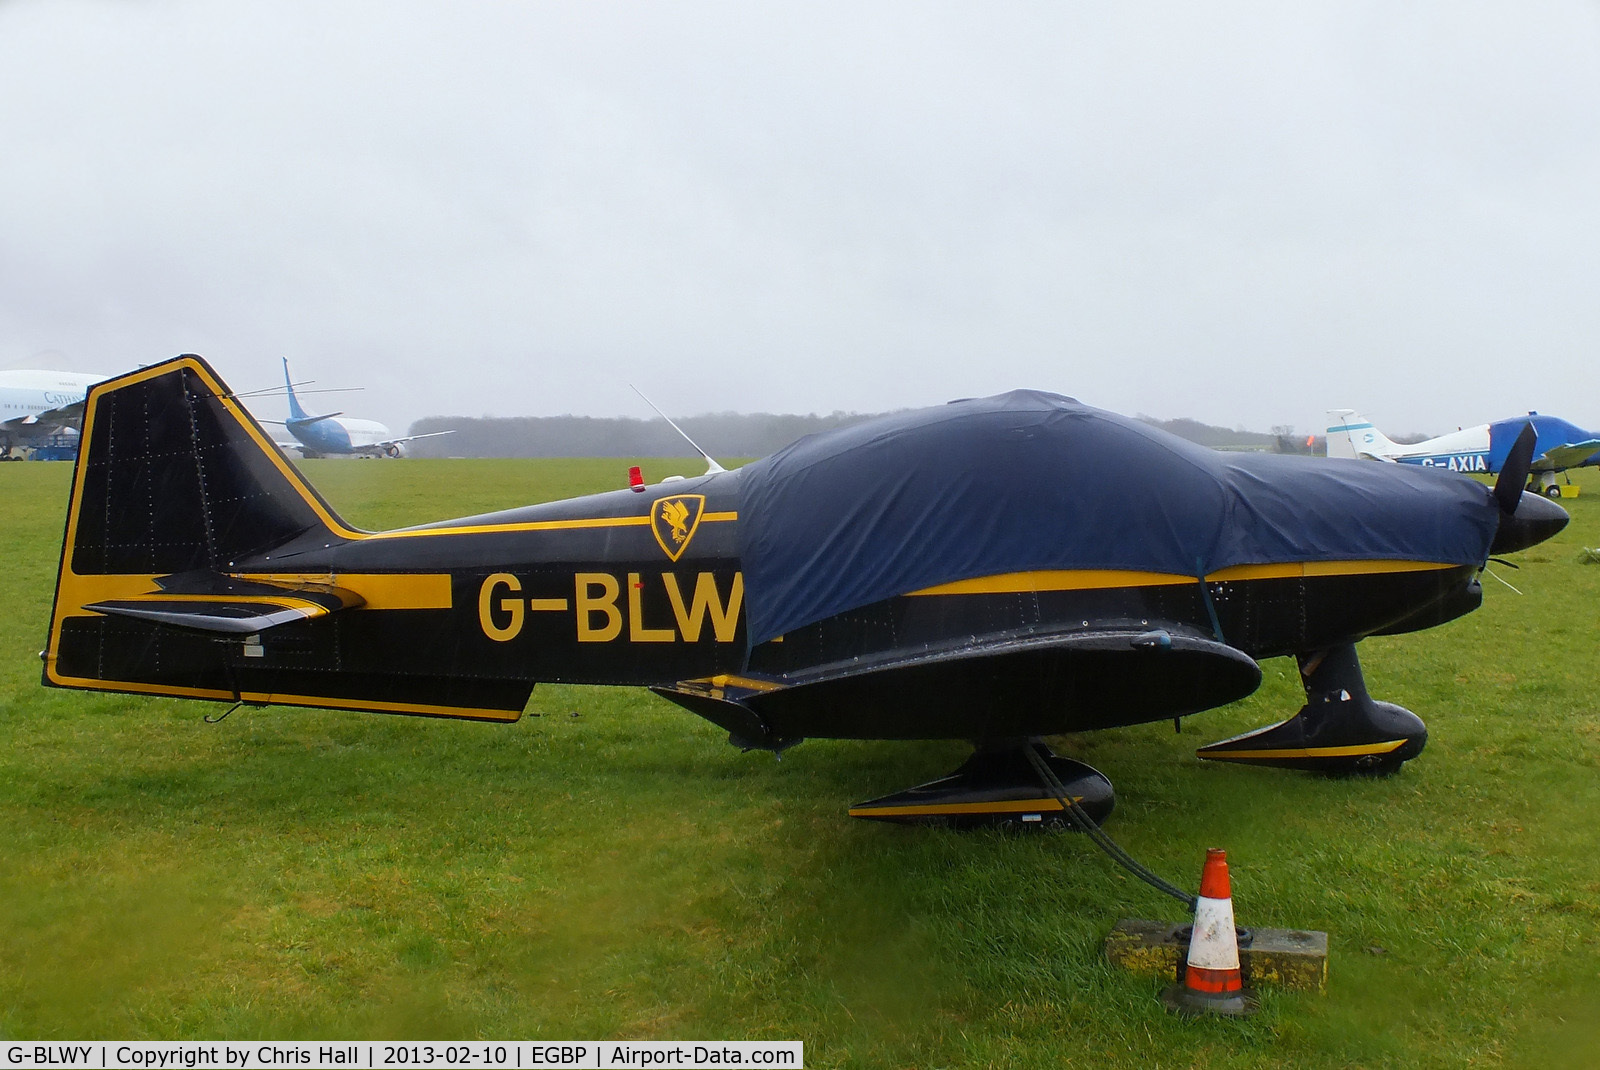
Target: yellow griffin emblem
674,521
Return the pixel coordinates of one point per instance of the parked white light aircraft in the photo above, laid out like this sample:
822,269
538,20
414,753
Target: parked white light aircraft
36,404
1561,445
335,433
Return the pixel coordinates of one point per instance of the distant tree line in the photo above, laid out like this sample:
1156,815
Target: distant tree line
722,434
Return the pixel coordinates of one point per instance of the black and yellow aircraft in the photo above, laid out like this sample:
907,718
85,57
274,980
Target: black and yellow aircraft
982,570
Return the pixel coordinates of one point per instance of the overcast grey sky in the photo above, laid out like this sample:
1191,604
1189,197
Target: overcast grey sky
1245,213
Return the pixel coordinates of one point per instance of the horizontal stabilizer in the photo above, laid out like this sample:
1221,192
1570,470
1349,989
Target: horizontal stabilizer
211,602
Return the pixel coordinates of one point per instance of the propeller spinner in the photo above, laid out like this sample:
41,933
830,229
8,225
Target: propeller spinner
1525,519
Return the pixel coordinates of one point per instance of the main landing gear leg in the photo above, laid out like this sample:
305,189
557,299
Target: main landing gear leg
1341,730
997,787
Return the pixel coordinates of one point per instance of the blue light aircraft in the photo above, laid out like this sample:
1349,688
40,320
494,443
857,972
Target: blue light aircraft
1483,448
336,434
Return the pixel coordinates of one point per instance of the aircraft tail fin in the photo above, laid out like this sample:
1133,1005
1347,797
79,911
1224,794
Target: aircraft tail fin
175,485
179,571
174,475
1352,435
295,411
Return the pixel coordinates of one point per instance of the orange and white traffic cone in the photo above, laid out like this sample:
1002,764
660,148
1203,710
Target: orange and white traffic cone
1211,982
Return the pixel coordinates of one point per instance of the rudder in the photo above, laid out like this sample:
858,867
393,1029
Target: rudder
1352,435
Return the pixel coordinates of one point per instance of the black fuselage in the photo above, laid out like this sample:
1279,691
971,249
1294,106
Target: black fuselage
583,592
199,563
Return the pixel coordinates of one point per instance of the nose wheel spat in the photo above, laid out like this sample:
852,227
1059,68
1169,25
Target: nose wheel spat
1341,730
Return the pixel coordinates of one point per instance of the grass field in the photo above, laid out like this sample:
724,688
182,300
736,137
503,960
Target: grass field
613,869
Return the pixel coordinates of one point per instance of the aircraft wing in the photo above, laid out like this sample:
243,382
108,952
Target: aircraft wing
1569,456
413,438
65,416
1028,684
389,443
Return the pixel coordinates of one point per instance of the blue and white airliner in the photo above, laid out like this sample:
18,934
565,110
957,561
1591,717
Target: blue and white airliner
1561,445
34,405
335,434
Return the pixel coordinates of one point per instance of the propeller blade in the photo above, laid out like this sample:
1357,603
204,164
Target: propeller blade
1514,473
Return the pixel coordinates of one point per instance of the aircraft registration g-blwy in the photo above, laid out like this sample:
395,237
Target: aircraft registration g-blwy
334,434
973,571
35,404
1558,446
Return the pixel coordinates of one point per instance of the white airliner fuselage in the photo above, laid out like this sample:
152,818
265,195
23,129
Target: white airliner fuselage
36,404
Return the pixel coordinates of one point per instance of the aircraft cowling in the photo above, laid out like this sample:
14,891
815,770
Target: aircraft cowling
395,450
1029,481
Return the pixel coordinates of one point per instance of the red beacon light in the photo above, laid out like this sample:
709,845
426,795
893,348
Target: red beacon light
635,479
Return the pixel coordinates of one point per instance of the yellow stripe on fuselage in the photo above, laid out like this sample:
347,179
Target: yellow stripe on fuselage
539,525
1308,569
1087,579
1103,579
378,590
